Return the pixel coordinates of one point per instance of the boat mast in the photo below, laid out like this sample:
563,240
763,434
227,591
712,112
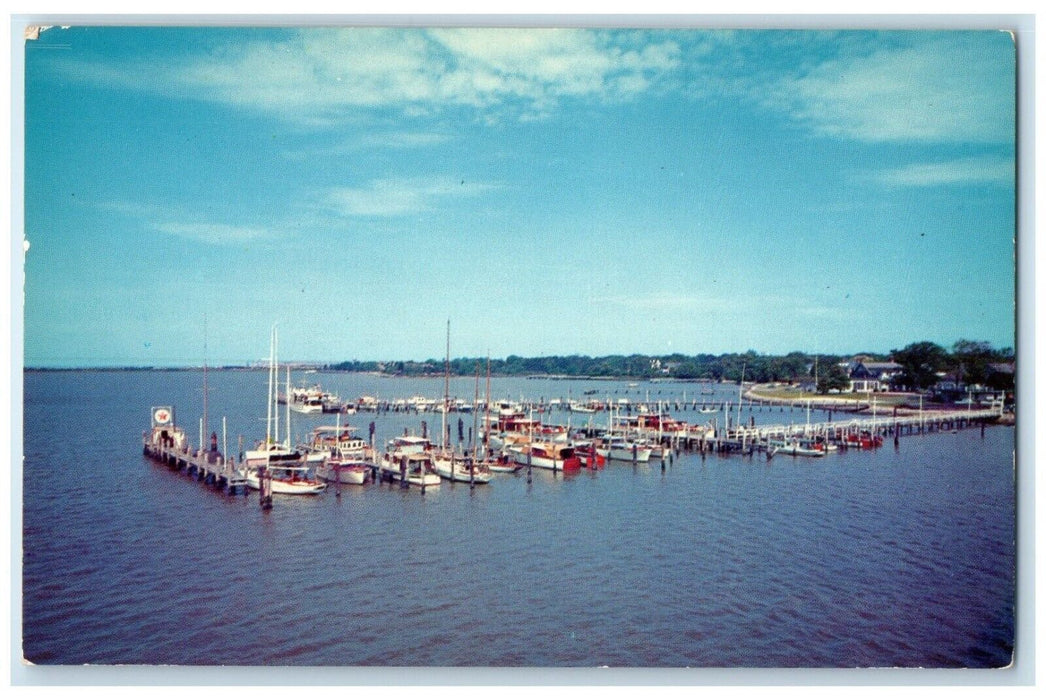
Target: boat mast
205,425
475,418
446,392
275,381
268,398
740,389
486,408
288,396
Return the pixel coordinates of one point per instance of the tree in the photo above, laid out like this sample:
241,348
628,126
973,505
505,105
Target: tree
972,360
920,363
832,376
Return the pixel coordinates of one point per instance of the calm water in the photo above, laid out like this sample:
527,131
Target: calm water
901,557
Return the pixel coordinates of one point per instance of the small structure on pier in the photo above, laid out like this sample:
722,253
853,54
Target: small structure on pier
167,443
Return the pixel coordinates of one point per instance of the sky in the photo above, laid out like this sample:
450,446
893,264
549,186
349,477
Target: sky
549,191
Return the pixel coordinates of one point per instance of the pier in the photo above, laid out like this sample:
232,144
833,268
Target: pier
210,467
751,437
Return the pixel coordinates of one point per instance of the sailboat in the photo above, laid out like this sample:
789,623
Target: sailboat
447,463
286,467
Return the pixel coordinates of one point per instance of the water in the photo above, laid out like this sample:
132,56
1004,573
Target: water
898,557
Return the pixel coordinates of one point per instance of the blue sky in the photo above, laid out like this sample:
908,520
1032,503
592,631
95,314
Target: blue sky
549,191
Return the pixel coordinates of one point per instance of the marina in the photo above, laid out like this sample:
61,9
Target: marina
718,547
514,438
735,378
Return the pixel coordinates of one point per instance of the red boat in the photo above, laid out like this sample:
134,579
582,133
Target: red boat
864,440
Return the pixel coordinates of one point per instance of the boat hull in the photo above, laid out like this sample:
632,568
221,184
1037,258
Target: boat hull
641,454
345,474
524,459
293,487
459,471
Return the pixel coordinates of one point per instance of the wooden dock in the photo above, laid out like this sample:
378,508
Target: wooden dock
211,468
749,436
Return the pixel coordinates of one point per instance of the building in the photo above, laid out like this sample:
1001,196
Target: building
868,376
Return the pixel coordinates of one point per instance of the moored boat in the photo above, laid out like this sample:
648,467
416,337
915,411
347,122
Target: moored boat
545,455
794,447
625,450
287,478
457,468
411,467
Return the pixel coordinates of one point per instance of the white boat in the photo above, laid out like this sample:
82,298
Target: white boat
337,441
795,448
288,478
345,471
545,455
625,450
286,468
412,467
498,467
457,468
270,452
308,400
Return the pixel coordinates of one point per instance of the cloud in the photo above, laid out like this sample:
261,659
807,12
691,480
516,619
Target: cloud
957,87
317,75
400,196
986,170
393,140
215,234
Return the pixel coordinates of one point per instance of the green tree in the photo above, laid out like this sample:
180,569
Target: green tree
920,363
832,376
972,360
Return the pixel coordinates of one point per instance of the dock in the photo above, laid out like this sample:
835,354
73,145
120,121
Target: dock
751,437
209,467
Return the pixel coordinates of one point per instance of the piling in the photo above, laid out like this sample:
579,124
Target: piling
264,488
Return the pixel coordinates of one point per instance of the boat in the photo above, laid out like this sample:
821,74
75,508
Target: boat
339,455
622,449
307,400
287,468
794,447
345,470
586,452
502,466
545,455
863,440
411,467
291,478
454,467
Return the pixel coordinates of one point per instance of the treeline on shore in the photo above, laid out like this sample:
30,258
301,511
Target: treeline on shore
921,364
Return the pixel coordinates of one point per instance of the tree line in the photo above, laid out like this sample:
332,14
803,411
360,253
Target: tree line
921,364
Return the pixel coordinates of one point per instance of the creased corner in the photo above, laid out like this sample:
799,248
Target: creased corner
32,32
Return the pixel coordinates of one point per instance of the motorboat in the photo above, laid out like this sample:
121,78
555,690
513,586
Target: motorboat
414,468
459,468
287,478
545,455
625,450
